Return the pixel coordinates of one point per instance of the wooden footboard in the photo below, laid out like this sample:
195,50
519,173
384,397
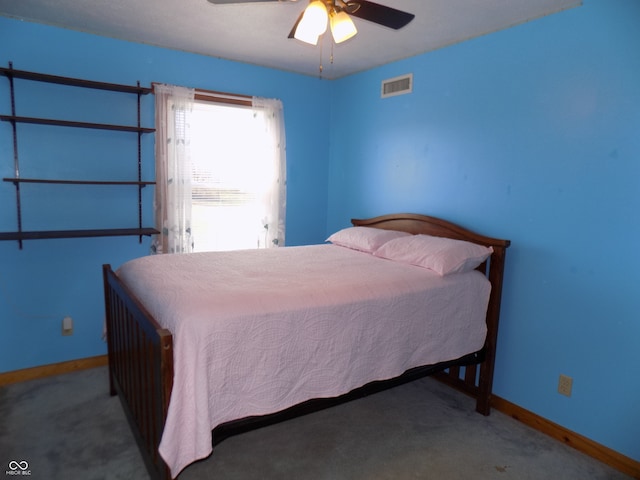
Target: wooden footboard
140,368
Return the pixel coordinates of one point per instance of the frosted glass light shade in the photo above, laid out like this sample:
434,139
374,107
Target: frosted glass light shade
342,27
306,36
313,23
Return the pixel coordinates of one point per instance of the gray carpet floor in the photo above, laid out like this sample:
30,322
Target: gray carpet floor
68,427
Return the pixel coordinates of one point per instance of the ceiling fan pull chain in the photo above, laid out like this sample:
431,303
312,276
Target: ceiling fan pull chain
320,67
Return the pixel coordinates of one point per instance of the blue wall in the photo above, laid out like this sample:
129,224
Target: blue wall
50,279
530,134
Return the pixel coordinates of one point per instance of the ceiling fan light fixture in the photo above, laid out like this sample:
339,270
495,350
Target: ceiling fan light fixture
313,22
342,27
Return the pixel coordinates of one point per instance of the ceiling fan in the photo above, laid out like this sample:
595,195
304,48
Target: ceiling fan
312,23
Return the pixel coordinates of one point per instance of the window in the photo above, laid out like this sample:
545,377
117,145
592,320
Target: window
223,186
232,176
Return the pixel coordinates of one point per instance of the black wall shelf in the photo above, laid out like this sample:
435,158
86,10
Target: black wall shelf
48,234
73,82
17,180
67,123
76,182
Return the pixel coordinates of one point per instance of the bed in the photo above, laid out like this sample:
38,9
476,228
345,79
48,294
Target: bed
292,330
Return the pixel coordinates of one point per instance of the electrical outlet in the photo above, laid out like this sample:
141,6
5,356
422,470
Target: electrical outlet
564,385
67,326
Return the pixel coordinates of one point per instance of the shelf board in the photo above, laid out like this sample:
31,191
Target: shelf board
73,82
67,123
76,182
112,232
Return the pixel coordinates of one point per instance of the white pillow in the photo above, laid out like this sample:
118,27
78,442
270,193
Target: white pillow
442,255
365,239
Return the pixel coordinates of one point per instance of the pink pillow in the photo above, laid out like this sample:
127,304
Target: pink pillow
365,239
442,255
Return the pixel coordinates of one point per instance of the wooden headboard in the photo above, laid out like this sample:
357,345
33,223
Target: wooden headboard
416,224
493,269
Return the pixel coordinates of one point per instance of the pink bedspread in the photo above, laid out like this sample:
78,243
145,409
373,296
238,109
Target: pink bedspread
257,331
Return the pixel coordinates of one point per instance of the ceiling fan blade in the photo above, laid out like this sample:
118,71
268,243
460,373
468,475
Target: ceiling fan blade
382,15
295,25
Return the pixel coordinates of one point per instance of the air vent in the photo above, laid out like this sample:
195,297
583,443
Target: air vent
397,86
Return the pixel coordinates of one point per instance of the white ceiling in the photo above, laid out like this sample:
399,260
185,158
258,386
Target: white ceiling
256,33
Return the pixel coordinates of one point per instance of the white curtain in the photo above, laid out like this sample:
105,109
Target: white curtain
269,113
172,204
